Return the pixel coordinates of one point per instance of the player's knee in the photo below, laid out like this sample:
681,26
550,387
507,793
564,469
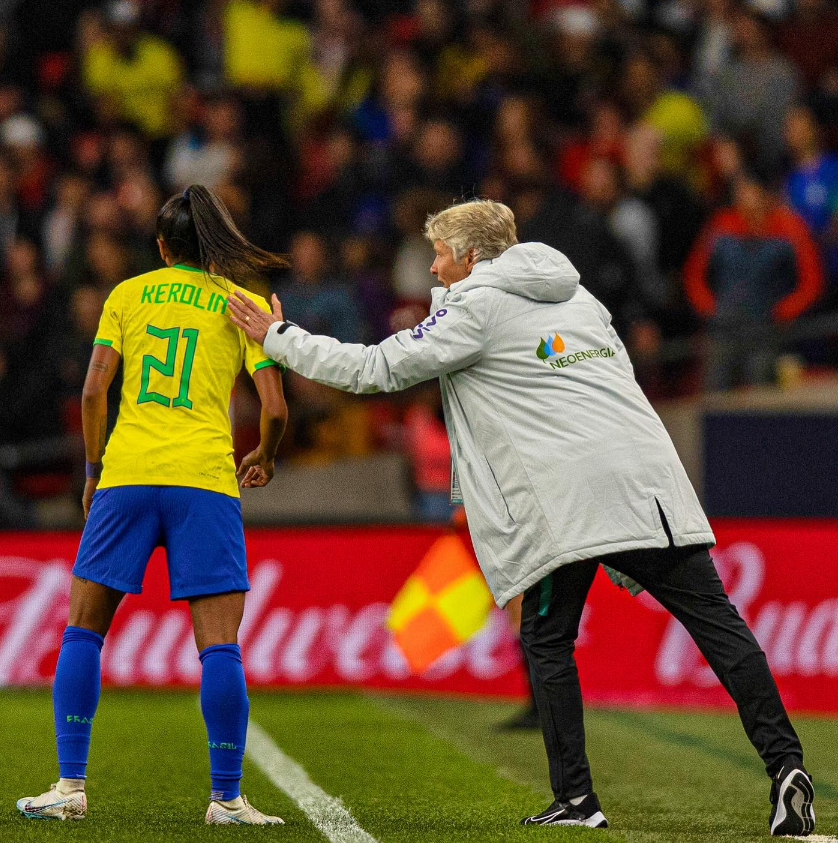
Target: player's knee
92,606
85,618
204,640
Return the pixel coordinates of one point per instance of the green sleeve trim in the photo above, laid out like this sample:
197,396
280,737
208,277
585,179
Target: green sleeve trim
263,363
98,341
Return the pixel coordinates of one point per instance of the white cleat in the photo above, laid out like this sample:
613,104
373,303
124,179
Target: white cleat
55,804
238,811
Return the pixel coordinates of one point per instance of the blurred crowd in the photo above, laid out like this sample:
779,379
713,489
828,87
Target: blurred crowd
678,151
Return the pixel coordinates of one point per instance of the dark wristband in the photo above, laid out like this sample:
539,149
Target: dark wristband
285,326
93,470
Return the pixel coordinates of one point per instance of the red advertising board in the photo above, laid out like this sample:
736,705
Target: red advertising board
315,616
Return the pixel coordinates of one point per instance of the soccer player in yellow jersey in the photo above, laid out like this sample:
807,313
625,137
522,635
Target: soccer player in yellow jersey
167,478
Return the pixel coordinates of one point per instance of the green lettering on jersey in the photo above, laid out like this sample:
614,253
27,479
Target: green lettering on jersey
185,294
183,400
166,368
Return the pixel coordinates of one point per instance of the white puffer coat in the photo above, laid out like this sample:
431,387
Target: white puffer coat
559,455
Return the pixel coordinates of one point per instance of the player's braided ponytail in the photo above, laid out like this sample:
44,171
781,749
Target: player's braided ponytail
197,227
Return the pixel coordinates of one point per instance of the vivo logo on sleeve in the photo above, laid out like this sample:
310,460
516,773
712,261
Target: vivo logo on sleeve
419,330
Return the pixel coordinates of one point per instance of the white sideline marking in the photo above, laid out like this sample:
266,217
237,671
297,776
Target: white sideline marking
328,813
819,838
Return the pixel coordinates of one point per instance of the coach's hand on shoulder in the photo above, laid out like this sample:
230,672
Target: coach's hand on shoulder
255,470
87,498
248,316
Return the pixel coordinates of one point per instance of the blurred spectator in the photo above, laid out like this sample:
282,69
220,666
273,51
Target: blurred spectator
23,319
631,221
429,29
265,51
107,262
750,96
809,39
74,351
25,139
14,220
68,352
62,224
29,409
140,200
678,214
568,83
754,264
460,69
207,154
335,36
727,165
427,448
126,154
604,140
677,116
812,183
330,184
437,159
517,119
399,88
103,214
553,216
131,73
812,186
317,302
412,279
362,270
713,45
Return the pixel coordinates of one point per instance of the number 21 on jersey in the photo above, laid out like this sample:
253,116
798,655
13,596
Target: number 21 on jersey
167,367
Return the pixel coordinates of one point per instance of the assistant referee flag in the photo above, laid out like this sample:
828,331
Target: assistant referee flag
443,603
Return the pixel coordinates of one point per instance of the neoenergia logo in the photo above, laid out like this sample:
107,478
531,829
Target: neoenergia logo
550,351
550,347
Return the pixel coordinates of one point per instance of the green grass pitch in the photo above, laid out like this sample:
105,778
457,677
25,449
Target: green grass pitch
408,768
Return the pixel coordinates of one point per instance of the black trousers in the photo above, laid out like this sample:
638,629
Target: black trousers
684,581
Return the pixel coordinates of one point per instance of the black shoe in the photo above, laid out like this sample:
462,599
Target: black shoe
791,799
526,719
588,812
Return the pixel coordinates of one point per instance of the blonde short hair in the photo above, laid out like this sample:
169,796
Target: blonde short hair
486,226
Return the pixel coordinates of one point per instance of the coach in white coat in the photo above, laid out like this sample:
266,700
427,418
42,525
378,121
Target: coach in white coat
563,464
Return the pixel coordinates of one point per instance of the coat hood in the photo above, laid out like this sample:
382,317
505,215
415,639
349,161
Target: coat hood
531,270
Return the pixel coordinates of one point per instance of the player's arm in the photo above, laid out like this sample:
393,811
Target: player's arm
94,415
257,468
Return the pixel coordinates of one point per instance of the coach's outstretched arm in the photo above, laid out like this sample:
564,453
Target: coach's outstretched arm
448,340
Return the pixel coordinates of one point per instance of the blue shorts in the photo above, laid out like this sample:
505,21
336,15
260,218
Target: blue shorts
201,531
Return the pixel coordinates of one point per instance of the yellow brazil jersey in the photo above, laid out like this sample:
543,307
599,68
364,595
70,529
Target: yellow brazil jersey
180,356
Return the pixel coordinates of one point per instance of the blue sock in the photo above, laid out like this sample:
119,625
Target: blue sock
75,695
225,707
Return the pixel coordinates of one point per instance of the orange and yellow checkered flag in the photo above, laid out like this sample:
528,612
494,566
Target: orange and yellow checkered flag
443,603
